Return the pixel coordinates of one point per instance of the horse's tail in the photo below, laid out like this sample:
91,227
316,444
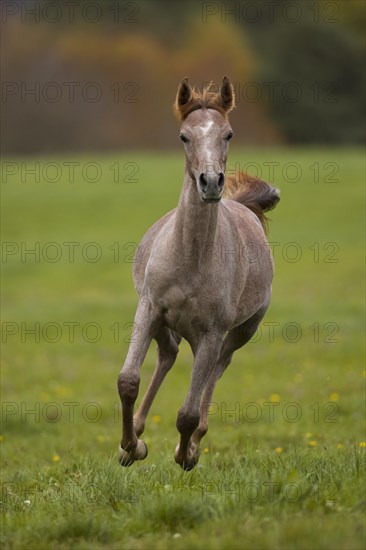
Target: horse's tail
255,194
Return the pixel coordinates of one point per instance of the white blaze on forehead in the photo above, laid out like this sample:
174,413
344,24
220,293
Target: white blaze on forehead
207,149
206,127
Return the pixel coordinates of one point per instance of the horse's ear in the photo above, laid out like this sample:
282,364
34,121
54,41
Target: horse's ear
184,95
227,95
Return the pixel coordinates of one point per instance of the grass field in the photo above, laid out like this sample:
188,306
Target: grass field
283,463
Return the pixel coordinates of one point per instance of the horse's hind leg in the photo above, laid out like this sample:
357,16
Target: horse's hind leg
206,353
236,338
168,342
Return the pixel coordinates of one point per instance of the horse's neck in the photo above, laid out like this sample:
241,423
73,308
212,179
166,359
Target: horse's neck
195,224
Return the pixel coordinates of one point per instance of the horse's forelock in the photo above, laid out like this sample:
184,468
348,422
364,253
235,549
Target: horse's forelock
207,99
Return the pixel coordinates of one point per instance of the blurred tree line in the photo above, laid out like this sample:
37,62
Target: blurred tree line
104,75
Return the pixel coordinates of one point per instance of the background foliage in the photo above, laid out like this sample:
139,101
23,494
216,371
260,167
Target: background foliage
297,69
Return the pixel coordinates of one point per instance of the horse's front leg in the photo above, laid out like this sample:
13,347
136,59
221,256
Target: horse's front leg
131,447
206,355
167,352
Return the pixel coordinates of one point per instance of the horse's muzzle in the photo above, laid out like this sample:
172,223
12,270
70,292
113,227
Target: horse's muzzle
211,185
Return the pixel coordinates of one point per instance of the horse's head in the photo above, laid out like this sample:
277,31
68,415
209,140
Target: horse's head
205,132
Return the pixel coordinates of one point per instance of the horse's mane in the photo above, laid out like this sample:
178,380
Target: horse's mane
207,99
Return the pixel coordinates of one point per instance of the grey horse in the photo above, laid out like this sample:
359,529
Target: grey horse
203,272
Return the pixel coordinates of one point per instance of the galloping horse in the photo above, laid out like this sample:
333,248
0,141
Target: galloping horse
190,282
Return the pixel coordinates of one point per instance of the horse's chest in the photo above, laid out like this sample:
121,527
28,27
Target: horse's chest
188,301
192,290
192,314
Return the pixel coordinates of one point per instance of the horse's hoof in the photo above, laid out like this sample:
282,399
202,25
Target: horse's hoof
191,460
124,457
140,452
189,465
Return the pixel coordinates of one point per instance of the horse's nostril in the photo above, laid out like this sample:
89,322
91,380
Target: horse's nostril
203,182
221,180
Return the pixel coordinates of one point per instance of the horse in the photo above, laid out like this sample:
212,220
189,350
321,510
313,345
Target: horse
191,280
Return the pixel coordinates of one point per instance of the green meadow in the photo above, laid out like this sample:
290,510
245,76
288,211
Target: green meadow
283,463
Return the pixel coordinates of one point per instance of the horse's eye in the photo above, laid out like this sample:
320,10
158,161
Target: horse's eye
229,136
183,138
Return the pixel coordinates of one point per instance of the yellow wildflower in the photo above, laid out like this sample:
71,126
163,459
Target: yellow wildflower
275,398
363,444
278,450
156,419
334,396
55,458
312,443
62,391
